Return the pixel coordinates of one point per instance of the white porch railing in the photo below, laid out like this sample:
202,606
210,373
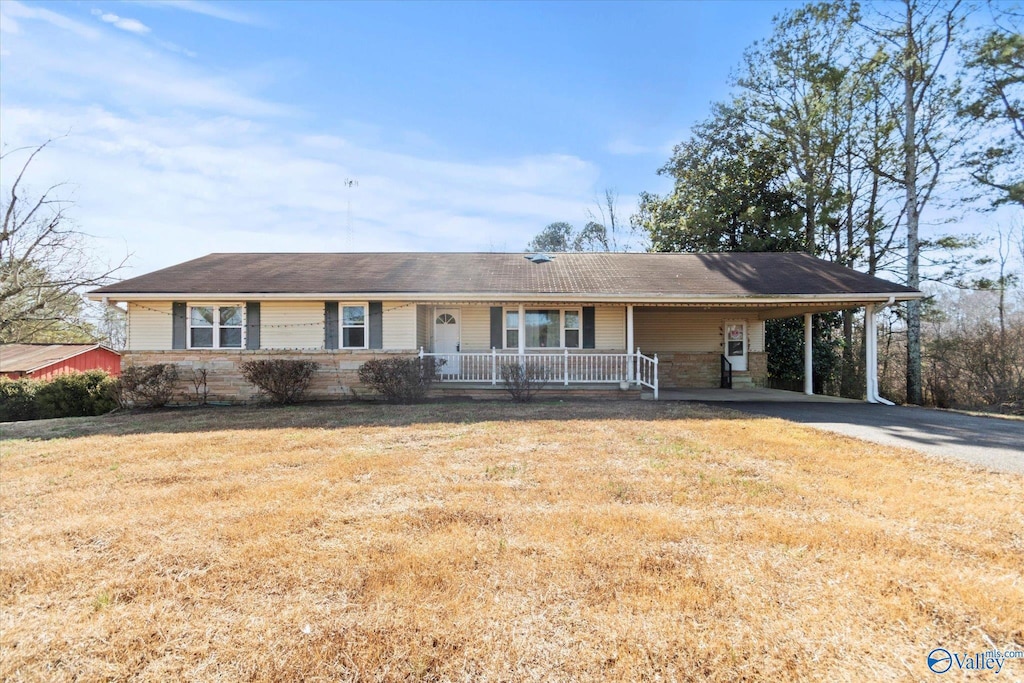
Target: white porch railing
564,368
647,372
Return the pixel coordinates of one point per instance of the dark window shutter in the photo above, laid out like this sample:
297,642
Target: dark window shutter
589,327
497,327
330,324
179,328
252,325
376,315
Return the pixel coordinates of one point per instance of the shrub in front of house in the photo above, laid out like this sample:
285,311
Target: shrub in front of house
281,381
400,380
149,386
17,399
75,394
523,380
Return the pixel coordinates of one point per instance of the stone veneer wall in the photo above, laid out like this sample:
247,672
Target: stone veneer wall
703,370
336,378
757,368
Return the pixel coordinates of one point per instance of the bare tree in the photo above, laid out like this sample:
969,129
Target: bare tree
607,223
112,326
919,39
45,261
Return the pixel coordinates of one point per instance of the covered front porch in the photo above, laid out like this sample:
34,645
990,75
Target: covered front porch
556,368
646,346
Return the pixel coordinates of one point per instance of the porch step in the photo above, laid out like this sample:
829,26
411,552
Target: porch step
741,380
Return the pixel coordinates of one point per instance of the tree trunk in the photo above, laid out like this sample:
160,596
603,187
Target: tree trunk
910,79
811,230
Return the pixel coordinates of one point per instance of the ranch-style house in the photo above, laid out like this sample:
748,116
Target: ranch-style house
626,322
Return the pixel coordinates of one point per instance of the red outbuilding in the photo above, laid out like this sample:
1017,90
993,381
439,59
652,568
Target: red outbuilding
45,361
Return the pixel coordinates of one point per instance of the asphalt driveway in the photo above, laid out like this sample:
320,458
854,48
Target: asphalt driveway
993,443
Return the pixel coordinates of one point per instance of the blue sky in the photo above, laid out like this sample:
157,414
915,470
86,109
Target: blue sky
202,126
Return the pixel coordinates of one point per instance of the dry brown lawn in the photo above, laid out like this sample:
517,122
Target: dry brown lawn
576,541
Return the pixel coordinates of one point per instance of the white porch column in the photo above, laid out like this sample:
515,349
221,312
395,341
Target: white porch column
629,341
522,329
871,312
870,353
808,357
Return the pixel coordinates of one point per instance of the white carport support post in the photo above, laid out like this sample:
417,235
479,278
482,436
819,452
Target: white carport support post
629,341
871,312
808,357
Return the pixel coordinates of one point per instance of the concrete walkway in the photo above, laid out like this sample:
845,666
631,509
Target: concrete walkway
990,442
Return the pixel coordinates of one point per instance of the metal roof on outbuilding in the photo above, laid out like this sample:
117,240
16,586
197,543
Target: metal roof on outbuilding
26,358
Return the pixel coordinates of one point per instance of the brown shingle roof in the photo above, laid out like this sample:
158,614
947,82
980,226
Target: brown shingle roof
29,357
596,274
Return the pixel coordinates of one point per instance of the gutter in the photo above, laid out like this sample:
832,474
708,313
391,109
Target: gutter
495,297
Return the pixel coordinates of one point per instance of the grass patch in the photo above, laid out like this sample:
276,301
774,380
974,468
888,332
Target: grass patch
615,541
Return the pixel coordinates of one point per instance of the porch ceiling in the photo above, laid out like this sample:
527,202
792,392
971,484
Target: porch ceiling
765,311
761,310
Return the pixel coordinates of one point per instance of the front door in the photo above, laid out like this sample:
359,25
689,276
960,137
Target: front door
736,345
446,339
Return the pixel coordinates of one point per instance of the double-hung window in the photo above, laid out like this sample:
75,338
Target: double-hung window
511,329
353,326
544,328
571,328
215,327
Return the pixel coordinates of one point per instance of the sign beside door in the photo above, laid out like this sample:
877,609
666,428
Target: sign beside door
735,345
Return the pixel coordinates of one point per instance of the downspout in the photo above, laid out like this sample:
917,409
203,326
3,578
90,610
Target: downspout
872,369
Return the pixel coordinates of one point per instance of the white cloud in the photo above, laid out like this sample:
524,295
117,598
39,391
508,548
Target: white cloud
624,147
173,188
176,163
12,9
8,24
130,25
174,47
206,9
122,72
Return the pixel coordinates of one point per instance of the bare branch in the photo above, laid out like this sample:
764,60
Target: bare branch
45,263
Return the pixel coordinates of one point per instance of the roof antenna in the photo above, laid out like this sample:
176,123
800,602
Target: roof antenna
349,183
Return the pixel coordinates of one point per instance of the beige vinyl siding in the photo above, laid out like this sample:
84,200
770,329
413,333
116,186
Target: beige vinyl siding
423,331
476,328
610,328
664,330
755,333
399,323
292,325
149,326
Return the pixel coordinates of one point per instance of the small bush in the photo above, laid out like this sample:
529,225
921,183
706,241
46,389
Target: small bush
76,394
400,380
150,386
200,394
283,381
523,380
17,399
